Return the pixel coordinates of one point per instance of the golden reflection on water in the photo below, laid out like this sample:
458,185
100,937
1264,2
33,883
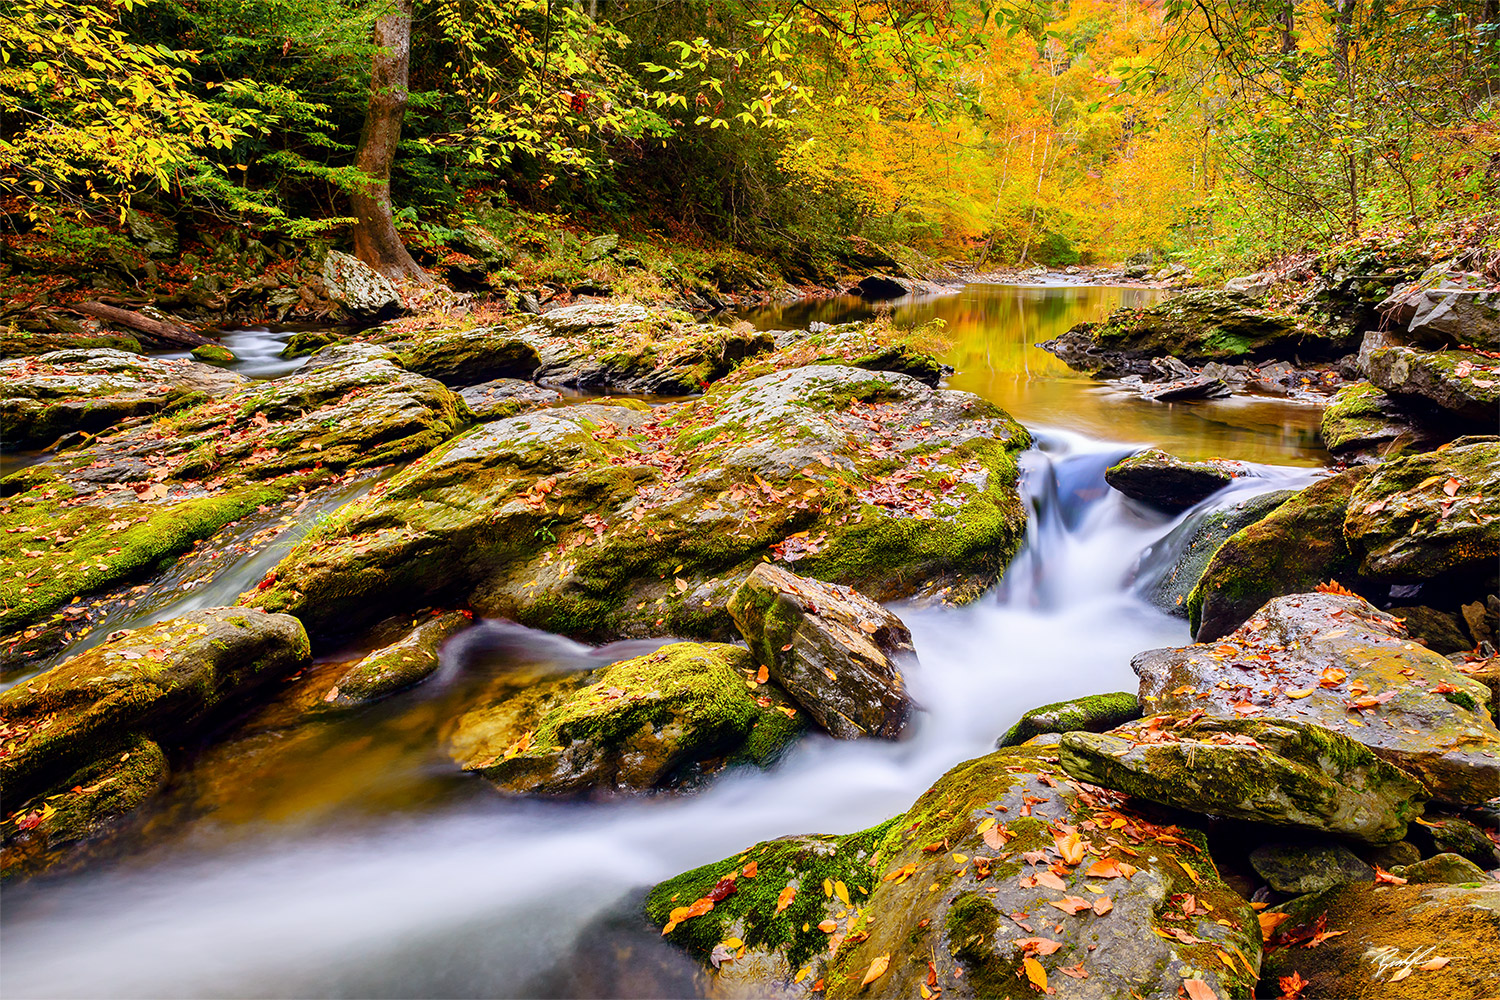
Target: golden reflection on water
993,330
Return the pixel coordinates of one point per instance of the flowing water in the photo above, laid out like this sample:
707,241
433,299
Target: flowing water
346,858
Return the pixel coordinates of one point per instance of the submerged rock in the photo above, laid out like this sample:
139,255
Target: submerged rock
1195,327
646,723
1003,871
836,652
1387,941
1196,541
1430,516
1335,661
605,521
92,390
1297,869
398,666
1291,550
1273,771
1170,484
1463,387
1093,713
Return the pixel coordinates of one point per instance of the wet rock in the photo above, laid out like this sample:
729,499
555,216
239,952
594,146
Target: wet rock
467,357
162,683
1297,869
1364,424
396,667
605,521
1335,661
650,722
1195,542
1450,833
836,652
215,354
507,397
1093,713
1462,385
365,294
1447,307
1430,516
1278,772
1388,856
1447,869
1437,630
880,288
1196,326
997,910
1194,387
1387,942
306,342
1168,483
46,396
1291,550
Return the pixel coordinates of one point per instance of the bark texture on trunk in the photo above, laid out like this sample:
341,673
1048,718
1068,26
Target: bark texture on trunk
170,334
376,241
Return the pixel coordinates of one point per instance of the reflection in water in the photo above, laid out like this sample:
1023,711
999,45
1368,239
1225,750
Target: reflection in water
994,330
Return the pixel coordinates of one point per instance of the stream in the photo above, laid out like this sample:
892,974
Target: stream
348,858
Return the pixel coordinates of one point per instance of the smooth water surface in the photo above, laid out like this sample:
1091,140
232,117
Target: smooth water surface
349,858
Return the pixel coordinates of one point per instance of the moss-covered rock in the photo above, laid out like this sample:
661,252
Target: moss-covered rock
1093,713
836,652
651,722
1451,833
398,666
1197,326
45,397
1462,386
1273,771
1364,424
974,880
1168,483
464,357
601,521
1299,868
59,333
1437,630
1388,942
1430,516
1291,550
1447,869
305,342
1192,545
507,397
1335,661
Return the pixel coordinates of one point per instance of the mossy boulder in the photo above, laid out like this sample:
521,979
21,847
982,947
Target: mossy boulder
1093,713
1299,868
1336,661
1450,833
602,521
651,722
398,666
1447,869
1387,942
1430,516
160,685
974,880
1462,386
1274,771
305,342
60,333
837,652
214,354
464,357
1439,631
506,397
1293,549
1362,423
91,390
1174,566
1169,483
1197,327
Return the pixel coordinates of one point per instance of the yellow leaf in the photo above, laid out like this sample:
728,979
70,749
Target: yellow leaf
1035,972
985,824
828,887
842,892
876,969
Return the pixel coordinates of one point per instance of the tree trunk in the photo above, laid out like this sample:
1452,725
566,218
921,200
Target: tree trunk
376,241
171,334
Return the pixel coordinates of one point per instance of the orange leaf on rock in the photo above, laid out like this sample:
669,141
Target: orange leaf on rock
828,926
1074,971
1292,986
1110,868
750,870
1269,922
1070,904
762,675
876,970
1070,847
1035,973
1039,945
1050,880
1433,964
1197,989
1332,677
785,897
1102,905
1384,877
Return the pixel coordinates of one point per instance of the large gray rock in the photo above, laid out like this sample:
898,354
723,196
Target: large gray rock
363,292
1277,772
1447,869
1335,661
605,521
507,397
1169,483
1463,386
837,652
1362,423
1446,307
1297,869
465,357
664,719
1003,870
49,395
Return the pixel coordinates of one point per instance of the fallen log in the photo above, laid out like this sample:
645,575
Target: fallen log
171,334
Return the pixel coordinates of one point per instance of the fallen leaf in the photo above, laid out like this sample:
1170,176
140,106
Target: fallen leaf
1332,677
1070,847
827,926
1322,936
1384,877
1110,868
1269,922
1035,973
1070,904
749,870
842,892
1102,905
1074,971
876,970
785,897
762,675
1039,945
1400,975
995,837
1433,964
1292,986
722,953
1050,880
1197,989
1299,692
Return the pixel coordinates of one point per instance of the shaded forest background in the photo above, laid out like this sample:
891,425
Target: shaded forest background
783,135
